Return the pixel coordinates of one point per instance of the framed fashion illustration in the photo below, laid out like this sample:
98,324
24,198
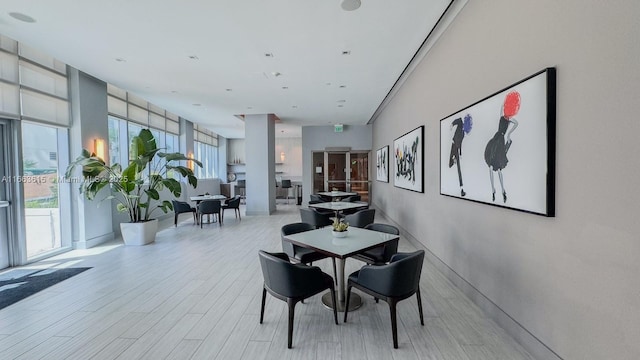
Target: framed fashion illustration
501,149
382,164
408,156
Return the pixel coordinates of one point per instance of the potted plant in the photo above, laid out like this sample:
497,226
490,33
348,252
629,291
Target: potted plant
137,187
340,228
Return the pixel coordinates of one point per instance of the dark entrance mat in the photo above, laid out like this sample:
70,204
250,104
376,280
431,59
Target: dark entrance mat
19,284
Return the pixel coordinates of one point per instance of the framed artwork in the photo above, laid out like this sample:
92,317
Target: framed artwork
382,164
501,150
408,157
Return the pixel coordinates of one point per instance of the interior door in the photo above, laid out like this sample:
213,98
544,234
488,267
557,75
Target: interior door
359,174
336,170
4,203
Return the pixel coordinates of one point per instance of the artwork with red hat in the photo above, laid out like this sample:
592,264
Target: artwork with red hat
509,157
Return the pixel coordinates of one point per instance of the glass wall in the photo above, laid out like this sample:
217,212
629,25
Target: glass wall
41,188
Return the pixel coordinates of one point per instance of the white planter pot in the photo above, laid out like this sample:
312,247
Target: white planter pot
339,234
139,233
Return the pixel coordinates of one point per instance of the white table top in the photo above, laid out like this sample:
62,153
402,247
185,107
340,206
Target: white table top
356,241
208,197
337,193
338,205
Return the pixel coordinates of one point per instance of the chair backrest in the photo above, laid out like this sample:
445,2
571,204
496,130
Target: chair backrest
310,216
352,198
286,279
242,183
361,218
398,278
234,202
180,206
286,183
385,228
289,229
391,248
209,207
314,197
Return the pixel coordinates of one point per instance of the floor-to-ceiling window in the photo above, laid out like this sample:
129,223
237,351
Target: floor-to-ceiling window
41,188
34,100
206,151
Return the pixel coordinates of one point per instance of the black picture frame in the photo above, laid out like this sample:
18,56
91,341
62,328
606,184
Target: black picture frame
501,150
382,164
408,155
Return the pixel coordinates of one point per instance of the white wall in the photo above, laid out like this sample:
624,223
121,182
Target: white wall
291,167
571,281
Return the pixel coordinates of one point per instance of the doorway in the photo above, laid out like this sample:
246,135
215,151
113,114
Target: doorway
342,171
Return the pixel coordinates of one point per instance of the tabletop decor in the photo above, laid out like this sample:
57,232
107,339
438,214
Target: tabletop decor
340,228
501,150
136,188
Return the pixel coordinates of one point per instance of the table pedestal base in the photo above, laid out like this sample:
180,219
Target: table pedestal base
354,302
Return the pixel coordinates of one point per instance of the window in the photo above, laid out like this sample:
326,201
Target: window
208,156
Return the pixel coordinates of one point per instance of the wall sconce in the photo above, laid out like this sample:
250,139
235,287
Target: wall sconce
282,156
190,163
99,148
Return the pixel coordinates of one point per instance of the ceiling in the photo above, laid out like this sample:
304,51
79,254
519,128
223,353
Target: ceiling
206,60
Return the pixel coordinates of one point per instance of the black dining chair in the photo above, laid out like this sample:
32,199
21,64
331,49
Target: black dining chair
352,198
361,218
233,203
286,185
381,254
396,281
209,207
292,283
315,218
180,207
298,253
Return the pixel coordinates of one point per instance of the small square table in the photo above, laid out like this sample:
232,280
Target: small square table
357,241
336,194
339,206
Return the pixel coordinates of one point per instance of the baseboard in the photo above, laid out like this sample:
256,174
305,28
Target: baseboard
86,244
511,326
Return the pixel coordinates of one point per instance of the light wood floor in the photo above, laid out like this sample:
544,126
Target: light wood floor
195,294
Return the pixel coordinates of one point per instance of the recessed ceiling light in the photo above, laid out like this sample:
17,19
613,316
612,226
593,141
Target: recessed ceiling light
350,5
22,17
121,60
343,86
275,73
197,104
328,84
341,105
346,52
194,57
228,89
249,107
268,54
285,87
174,91
295,106
342,101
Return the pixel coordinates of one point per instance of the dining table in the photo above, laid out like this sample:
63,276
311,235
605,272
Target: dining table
200,198
356,241
336,195
339,206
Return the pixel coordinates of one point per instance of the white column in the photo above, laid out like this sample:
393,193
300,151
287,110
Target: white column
260,164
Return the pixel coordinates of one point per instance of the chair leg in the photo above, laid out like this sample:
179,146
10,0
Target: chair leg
420,306
346,304
238,214
175,220
394,322
200,221
335,304
292,306
264,298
